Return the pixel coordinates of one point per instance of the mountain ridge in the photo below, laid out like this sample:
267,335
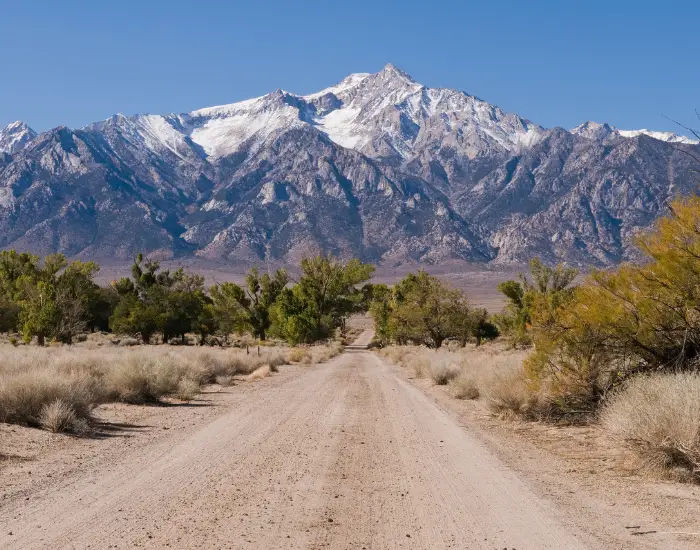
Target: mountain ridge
377,166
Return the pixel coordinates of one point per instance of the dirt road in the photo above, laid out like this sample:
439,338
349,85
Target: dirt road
341,455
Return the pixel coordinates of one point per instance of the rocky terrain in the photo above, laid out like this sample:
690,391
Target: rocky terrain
377,166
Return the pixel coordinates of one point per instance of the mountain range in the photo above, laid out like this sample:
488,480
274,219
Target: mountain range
377,166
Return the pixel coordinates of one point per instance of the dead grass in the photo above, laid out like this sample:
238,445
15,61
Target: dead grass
443,372
465,386
57,388
259,373
509,395
187,389
325,352
57,416
224,380
43,387
307,355
491,372
658,417
299,355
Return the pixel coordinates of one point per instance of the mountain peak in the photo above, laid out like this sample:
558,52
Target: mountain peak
15,136
393,70
594,130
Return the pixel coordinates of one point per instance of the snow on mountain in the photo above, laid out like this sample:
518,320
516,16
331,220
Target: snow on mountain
389,112
381,114
670,137
15,136
347,83
223,130
596,130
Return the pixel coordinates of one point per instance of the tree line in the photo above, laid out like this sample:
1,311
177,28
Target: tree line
52,299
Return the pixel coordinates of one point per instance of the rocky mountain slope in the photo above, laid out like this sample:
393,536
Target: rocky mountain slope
377,166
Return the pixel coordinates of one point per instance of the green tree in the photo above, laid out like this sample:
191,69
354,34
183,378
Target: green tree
248,308
155,300
101,304
229,315
53,298
546,289
39,314
182,299
206,322
380,310
425,310
481,326
143,301
294,317
326,293
74,291
135,318
9,314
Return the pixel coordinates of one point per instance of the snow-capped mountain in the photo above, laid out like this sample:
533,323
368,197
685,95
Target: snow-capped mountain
662,136
596,130
377,166
15,136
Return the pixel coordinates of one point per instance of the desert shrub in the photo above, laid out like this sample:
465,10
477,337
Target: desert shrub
146,377
632,320
187,389
24,393
299,355
442,373
131,381
275,360
658,417
508,394
33,379
322,353
465,386
420,365
545,289
473,372
57,417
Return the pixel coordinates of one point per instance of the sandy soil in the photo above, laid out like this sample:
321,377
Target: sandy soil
347,454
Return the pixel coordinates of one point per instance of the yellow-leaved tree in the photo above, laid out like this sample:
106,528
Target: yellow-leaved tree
638,318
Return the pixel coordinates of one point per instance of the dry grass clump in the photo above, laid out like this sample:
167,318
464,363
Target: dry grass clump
324,352
58,388
508,394
658,417
59,416
224,380
24,393
259,373
299,355
308,355
465,386
492,372
187,389
443,372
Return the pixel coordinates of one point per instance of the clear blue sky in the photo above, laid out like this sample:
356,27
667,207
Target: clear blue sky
557,63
